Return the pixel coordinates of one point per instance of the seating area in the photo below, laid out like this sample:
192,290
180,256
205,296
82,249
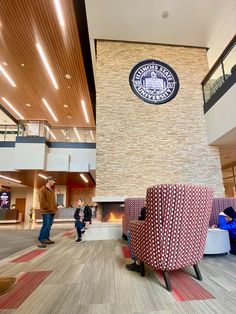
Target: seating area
218,240
218,205
177,229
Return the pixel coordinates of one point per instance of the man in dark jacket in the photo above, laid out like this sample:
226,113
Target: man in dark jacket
135,265
48,208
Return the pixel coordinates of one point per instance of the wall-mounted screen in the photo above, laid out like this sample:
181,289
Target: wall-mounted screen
5,199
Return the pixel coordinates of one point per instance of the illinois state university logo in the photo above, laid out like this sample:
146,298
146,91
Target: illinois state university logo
154,82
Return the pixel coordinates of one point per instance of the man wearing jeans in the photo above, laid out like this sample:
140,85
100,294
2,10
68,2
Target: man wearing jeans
48,208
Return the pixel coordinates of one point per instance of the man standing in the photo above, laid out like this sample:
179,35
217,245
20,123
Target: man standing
48,208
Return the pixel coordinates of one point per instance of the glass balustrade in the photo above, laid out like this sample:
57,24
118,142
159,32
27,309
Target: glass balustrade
41,128
224,69
8,133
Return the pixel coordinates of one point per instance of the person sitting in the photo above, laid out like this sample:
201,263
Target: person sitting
82,214
227,221
135,266
87,216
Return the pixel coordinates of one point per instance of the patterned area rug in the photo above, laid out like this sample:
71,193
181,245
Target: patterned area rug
26,283
28,256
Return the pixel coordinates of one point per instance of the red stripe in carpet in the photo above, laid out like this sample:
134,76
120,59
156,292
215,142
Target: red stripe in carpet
28,256
185,288
126,252
24,286
68,234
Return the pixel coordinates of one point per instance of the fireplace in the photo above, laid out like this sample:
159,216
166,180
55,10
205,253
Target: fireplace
112,211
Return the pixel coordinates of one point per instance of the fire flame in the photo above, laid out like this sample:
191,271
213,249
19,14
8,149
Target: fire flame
113,218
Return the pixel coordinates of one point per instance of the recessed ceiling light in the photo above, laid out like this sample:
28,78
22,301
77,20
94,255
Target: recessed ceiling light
69,117
68,76
46,127
10,179
5,63
22,64
84,178
85,111
7,76
91,134
68,86
64,133
12,108
28,105
165,14
42,176
59,13
46,64
77,134
49,109
65,106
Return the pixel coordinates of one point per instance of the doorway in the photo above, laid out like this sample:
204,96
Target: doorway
20,206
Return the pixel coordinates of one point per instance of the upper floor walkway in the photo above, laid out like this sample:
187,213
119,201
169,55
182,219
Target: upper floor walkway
219,91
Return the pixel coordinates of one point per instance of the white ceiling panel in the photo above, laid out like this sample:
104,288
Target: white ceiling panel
190,23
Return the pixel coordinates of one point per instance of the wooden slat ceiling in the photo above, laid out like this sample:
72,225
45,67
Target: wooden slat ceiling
32,179
22,24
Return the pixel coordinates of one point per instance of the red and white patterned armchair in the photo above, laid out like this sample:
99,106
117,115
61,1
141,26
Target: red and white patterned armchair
132,210
174,232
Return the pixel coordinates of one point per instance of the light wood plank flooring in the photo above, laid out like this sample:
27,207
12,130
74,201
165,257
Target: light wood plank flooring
90,277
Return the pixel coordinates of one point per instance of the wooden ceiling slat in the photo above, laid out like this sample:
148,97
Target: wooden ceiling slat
32,179
22,22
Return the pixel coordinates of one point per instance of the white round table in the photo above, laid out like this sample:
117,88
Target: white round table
217,241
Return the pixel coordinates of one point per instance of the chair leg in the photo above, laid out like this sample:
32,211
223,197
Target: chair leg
142,269
167,281
197,272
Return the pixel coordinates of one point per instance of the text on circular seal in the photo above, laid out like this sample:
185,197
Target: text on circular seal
154,82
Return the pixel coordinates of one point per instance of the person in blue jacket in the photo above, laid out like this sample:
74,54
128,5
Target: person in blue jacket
227,221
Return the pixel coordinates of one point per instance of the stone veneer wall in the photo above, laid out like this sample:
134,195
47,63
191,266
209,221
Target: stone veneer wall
77,193
139,144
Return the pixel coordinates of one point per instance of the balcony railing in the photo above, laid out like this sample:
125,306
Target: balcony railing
221,76
41,128
8,133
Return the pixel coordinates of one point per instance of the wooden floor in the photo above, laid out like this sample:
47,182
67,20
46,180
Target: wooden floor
90,277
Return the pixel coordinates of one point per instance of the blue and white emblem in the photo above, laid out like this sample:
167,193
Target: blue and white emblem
154,82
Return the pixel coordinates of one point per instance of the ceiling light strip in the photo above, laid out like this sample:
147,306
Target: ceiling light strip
12,108
84,178
47,66
7,76
49,109
64,133
59,12
10,179
85,111
50,132
77,134
42,176
91,134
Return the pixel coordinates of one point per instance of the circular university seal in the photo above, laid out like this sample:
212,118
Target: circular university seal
154,82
